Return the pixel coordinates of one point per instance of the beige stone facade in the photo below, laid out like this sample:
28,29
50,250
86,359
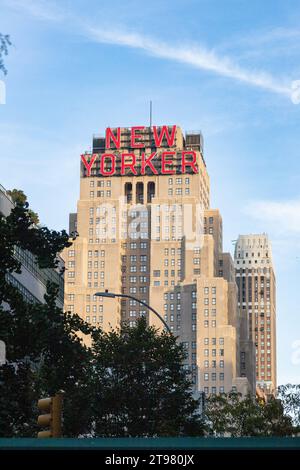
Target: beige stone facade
257,304
155,237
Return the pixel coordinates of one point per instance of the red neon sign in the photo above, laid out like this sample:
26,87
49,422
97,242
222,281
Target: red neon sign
128,160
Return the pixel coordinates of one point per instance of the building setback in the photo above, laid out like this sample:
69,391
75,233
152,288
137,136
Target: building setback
155,237
255,278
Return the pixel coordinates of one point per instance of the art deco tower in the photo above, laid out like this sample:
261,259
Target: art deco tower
257,303
150,233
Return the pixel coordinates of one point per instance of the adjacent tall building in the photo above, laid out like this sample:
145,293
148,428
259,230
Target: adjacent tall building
145,228
257,304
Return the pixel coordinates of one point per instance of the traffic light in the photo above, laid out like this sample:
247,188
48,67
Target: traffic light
52,416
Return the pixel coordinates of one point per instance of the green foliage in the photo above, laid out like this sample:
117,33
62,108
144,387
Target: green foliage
43,346
140,386
237,416
4,44
19,197
290,397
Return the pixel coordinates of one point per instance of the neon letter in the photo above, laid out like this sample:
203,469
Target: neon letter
135,136
165,162
184,163
125,164
103,171
164,131
147,162
110,135
89,165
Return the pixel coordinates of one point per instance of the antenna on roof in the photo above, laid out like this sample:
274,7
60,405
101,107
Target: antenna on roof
150,113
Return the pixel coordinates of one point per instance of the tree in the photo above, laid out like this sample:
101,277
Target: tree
140,386
237,416
4,44
43,346
19,197
290,397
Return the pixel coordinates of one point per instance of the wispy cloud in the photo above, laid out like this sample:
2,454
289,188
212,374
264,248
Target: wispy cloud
196,56
282,217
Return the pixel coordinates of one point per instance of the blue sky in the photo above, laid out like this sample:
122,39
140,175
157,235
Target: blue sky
225,68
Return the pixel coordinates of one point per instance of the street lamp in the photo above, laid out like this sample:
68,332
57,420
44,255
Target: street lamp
127,296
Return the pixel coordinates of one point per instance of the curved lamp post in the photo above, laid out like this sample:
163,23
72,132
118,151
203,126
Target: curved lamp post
127,296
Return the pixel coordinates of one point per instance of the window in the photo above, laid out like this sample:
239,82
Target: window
221,352
71,296
205,323
221,376
206,376
71,253
221,364
213,376
206,352
206,290
213,323
206,364
156,273
206,340
221,341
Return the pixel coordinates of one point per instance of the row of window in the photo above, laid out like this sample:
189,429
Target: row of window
262,261
213,352
93,308
94,319
178,181
166,283
100,193
100,183
178,191
213,376
213,364
213,301
166,273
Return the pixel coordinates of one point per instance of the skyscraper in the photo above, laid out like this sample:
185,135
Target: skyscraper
146,229
255,278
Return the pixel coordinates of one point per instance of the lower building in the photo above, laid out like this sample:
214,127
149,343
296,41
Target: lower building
32,281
